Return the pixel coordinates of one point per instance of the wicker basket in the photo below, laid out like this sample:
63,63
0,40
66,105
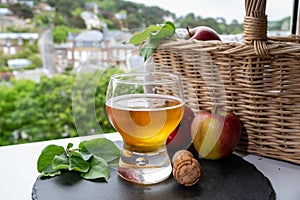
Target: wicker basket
258,80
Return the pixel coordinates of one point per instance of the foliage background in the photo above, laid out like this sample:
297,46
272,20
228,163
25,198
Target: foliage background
37,111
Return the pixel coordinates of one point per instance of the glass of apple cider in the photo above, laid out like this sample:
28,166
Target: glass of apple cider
144,108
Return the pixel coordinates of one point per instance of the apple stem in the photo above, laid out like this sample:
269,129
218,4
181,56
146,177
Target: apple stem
188,30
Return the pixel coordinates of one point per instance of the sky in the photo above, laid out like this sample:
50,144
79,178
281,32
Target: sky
228,9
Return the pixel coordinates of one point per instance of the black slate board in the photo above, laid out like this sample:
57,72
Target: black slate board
230,178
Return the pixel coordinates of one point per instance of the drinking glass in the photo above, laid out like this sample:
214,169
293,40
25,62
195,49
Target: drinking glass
144,108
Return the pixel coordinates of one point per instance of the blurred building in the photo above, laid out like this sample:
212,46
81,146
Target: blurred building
93,47
18,63
10,43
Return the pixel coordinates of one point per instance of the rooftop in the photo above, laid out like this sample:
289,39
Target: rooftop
26,36
93,35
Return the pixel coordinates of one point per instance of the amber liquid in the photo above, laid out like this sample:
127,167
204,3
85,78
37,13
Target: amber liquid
144,121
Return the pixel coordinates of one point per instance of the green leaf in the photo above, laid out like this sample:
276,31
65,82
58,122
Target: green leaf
101,147
70,145
166,31
171,24
47,155
61,162
92,159
152,37
73,162
149,47
99,168
84,155
138,38
114,162
155,39
49,171
78,164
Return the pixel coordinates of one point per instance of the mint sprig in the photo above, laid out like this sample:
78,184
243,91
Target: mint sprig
92,159
152,37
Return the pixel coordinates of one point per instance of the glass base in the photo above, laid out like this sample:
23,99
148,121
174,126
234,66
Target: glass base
145,168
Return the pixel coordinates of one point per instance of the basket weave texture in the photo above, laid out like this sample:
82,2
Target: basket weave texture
258,80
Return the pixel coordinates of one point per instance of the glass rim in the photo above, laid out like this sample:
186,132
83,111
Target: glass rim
171,78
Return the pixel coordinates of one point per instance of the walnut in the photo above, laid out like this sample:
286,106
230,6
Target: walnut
186,169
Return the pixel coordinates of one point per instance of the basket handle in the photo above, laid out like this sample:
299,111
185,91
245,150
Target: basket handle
255,26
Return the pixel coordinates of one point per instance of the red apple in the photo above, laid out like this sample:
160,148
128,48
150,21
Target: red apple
181,138
203,33
215,135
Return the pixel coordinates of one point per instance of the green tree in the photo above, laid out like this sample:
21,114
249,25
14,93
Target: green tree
218,24
36,61
10,93
21,10
76,12
77,22
66,7
190,20
59,20
108,5
60,33
234,28
36,111
13,29
42,19
89,102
